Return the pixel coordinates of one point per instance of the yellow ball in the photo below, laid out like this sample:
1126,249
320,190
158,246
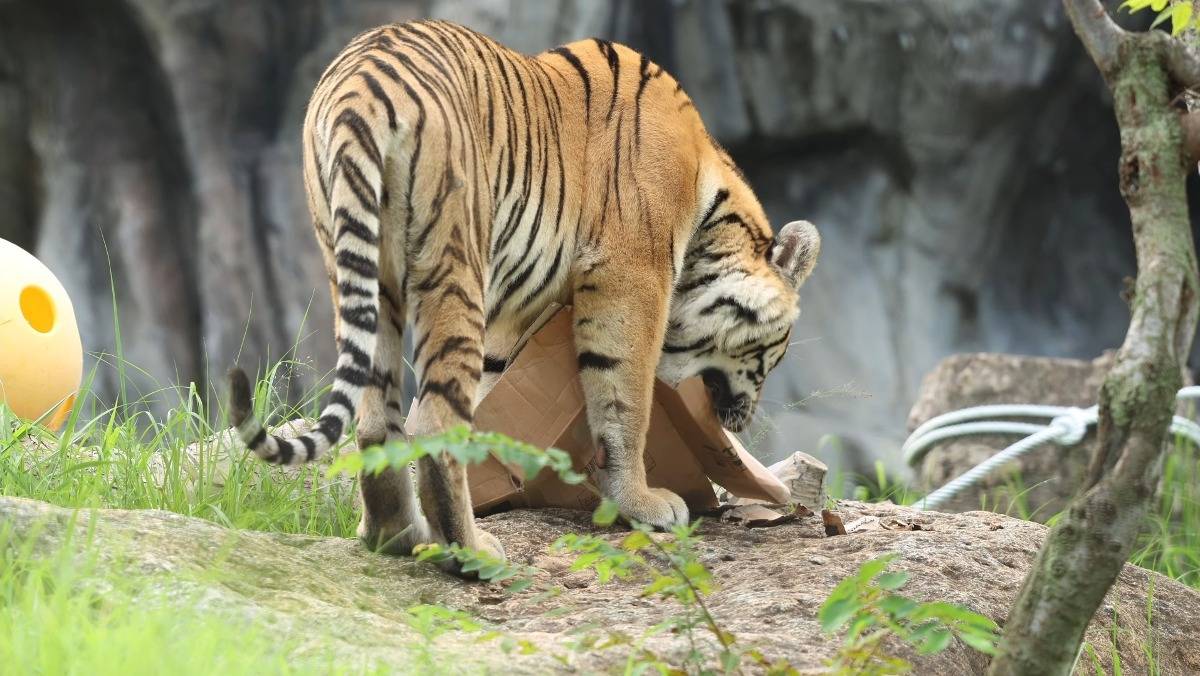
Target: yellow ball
41,357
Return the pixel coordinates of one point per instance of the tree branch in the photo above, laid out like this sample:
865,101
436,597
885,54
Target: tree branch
1183,62
1191,135
1097,31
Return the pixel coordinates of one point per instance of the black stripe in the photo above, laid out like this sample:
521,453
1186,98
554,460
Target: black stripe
377,91
365,318
614,64
310,447
286,451
595,360
509,290
352,290
454,289
697,282
358,126
352,226
361,265
357,354
547,278
671,349
718,199
353,376
339,398
494,364
330,426
644,68
742,311
359,185
451,392
258,439
583,75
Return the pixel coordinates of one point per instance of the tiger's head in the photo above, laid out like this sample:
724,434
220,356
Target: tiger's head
732,314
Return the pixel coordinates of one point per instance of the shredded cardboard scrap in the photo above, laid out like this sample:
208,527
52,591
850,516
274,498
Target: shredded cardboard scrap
539,399
833,523
758,516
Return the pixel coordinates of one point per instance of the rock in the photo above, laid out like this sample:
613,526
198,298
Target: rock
210,459
770,584
1044,479
804,476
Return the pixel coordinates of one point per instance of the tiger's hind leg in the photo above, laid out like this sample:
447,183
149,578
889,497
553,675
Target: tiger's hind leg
392,521
446,289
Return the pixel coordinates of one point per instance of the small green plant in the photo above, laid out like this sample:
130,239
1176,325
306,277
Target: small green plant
431,621
865,607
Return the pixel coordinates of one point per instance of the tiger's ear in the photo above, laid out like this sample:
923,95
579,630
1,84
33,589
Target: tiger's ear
795,252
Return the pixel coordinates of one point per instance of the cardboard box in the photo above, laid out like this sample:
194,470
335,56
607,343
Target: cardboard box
539,399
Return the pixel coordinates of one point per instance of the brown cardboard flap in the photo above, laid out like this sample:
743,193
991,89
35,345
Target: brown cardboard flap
539,400
722,456
539,395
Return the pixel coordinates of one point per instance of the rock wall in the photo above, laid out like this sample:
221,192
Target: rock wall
959,157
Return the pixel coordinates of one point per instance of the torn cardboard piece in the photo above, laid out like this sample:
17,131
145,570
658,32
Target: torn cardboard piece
539,399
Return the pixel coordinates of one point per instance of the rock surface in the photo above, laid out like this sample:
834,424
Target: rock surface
1045,479
1038,485
771,582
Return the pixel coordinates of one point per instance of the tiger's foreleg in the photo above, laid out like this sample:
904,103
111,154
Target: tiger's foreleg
620,319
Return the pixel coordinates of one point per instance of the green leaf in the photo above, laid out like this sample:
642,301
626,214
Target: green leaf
980,642
606,513
730,661
635,541
833,615
585,561
1181,14
897,607
892,581
874,567
1134,5
935,641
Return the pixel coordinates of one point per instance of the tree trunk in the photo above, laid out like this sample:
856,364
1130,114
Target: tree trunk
1085,550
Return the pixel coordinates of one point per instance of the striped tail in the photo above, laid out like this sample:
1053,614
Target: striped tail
355,179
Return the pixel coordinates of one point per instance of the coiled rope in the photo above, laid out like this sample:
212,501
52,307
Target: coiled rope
1068,426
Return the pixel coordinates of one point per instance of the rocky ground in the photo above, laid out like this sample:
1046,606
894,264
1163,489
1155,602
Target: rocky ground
771,583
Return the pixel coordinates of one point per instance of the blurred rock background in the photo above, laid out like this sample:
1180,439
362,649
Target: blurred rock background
959,157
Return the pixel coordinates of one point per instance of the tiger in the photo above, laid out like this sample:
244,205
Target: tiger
459,187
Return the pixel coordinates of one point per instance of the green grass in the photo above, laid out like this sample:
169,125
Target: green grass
124,457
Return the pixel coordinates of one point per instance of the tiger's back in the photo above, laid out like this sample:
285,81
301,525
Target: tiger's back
458,187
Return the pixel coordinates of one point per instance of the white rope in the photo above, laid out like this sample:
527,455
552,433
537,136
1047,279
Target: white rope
1068,426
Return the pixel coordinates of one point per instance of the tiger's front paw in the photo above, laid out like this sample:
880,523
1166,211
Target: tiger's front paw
656,507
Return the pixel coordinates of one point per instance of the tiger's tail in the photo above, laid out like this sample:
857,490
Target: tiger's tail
355,180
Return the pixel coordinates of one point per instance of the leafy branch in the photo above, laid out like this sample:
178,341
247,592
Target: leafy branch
865,607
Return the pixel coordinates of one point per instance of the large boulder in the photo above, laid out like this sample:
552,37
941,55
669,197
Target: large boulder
1039,484
771,582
